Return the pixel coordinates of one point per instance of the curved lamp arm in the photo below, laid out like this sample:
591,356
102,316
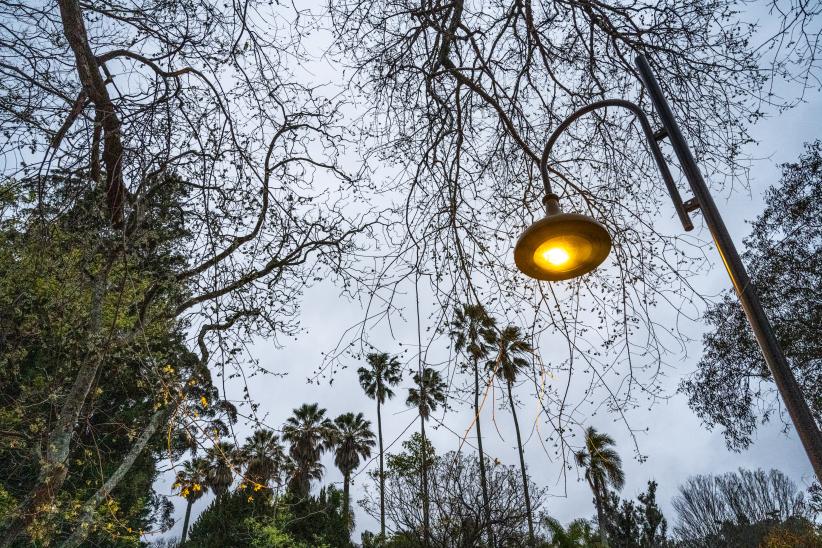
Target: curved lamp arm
652,143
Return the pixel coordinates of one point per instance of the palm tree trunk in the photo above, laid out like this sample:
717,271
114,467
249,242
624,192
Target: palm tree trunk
382,473
190,502
426,524
603,532
522,468
483,477
346,501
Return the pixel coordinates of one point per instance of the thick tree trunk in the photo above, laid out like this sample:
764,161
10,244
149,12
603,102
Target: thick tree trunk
189,503
90,507
426,523
382,471
522,468
88,71
483,477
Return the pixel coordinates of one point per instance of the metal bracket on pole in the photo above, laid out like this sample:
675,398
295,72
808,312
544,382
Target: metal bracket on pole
691,205
660,134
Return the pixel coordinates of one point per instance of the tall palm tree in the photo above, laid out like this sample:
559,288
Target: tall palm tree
511,348
222,459
263,457
191,481
382,373
428,394
471,329
353,441
310,433
603,469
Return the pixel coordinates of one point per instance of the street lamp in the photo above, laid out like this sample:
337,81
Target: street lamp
561,245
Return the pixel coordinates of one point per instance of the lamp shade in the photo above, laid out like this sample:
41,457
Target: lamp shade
561,246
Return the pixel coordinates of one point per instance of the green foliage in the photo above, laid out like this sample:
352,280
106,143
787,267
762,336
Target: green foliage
243,518
428,392
353,441
318,520
47,333
8,507
579,534
269,536
409,462
51,255
638,524
383,372
310,433
512,349
231,520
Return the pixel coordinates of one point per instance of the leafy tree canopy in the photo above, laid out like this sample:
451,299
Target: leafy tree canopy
732,387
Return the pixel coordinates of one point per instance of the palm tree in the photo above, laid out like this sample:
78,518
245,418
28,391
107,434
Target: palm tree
471,329
353,441
603,469
376,380
222,459
300,475
191,482
511,347
263,457
577,535
310,433
428,394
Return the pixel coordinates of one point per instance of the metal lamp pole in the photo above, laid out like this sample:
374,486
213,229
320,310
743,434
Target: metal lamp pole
785,381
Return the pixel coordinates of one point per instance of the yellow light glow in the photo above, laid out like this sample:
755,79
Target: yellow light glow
561,246
557,256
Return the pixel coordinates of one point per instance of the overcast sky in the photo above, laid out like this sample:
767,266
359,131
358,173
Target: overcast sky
676,443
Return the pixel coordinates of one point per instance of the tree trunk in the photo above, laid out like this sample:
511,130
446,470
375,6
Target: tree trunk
603,532
522,468
346,501
426,524
189,502
382,471
53,469
88,72
103,492
483,478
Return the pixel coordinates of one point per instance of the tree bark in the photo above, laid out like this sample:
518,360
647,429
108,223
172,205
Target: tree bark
522,468
426,523
88,71
382,470
189,503
483,478
87,518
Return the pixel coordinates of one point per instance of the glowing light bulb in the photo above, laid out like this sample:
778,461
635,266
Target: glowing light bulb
557,256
